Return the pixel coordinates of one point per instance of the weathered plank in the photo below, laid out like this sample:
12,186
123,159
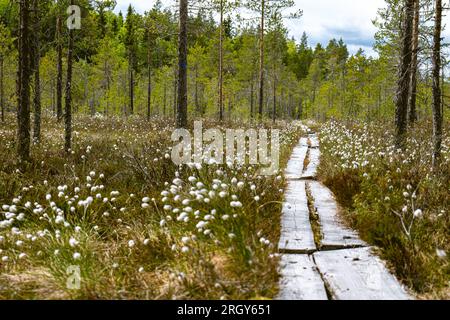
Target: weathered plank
296,231
296,163
314,141
314,161
335,235
300,279
357,274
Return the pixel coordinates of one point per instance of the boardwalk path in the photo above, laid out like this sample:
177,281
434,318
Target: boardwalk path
335,263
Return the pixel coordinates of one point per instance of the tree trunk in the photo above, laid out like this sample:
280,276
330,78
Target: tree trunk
131,92
261,60
2,91
274,111
404,77
182,67
37,78
436,59
68,113
165,99
221,62
24,75
414,65
149,84
59,77
175,92
252,101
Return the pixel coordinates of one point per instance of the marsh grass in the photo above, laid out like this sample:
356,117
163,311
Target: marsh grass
101,208
373,182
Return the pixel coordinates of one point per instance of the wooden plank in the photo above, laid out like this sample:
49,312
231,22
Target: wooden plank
296,163
300,279
357,274
314,161
314,141
296,232
335,235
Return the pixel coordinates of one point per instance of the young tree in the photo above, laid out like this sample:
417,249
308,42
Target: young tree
68,101
414,65
131,41
404,76
436,60
36,71
266,10
24,73
59,50
182,66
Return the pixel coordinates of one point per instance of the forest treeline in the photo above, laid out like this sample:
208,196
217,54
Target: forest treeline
129,63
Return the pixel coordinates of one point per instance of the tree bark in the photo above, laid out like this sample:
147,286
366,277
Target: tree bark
59,77
2,91
404,77
436,60
131,89
182,67
261,60
414,65
24,72
220,102
68,102
37,78
149,84
252,101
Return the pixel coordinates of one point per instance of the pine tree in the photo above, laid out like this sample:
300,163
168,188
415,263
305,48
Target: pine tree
182,66
404,76
436,60
24,75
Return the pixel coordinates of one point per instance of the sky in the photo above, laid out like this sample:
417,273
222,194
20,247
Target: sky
322,20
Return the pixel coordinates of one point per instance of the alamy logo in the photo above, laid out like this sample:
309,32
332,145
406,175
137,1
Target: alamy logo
73,278
235,146
74,19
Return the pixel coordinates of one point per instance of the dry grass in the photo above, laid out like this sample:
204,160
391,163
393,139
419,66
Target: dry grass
376,184
126,250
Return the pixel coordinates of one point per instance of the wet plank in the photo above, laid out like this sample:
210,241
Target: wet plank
335,235
296,163
300,279
296,232
314,161
357,274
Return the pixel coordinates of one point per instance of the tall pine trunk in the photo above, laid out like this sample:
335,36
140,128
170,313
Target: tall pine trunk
24,75
131,88
68,102
2,90
59,77
404,76
37,78
436,59
149,80
220,102
182,67
261,60
414,65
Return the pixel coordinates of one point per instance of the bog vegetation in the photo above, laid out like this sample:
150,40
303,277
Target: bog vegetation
86,178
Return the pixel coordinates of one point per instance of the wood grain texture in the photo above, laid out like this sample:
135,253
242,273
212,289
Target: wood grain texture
314,161
296,232
296,163
300,279
357,274
335,235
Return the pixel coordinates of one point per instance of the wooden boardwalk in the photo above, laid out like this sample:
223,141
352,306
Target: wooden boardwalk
341,266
